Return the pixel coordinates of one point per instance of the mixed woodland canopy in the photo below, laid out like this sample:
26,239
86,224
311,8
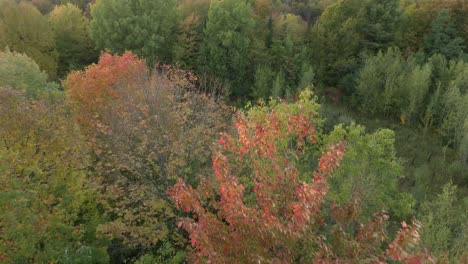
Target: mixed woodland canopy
233,131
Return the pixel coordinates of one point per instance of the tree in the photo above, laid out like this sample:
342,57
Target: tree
394,86
445,225
379,83
369,173
288,51
382,19
455,114
190,31
259,207
418,85
21,72
348,28
146,131
48,209
23,29
444,38
46,6
336,41
263,82
74,45
143,27
226,45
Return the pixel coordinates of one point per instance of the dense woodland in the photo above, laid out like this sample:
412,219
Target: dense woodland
233,131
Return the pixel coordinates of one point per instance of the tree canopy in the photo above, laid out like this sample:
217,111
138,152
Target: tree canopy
145,27
23,29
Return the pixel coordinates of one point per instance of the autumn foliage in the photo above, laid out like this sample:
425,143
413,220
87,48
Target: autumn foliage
146,128
281,218
97,86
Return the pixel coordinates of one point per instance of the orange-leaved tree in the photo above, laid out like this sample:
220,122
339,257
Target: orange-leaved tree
262,207
146,129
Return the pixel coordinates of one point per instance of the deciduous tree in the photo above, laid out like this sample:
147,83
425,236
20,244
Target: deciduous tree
74,44
259,207
24,29
369,174
18,71
146,131
48,209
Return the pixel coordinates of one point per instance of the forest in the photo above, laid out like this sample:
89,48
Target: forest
234,131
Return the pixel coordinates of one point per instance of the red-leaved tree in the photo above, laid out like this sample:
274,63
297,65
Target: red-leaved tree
260,208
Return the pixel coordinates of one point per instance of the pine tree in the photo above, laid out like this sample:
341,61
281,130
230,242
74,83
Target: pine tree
444,38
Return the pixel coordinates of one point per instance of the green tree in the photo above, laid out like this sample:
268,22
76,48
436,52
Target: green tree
444,38
381,20
348,28
417,88
24,29
379,83
445,225
226,47
336,41
307,76
455,113
48,209
190,31
21,72
263,82
146,27
278,89
369,173
289,51
74,44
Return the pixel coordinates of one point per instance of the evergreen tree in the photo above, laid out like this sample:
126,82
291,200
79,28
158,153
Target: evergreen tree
348,28
444,38
382,18
226,47
289,51
190,31
263,82
144,27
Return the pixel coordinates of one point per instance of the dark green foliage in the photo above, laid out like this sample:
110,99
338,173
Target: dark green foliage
289,51
263,82
194,14
382,18
145,27
336,41
226,46
347,29
444,38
